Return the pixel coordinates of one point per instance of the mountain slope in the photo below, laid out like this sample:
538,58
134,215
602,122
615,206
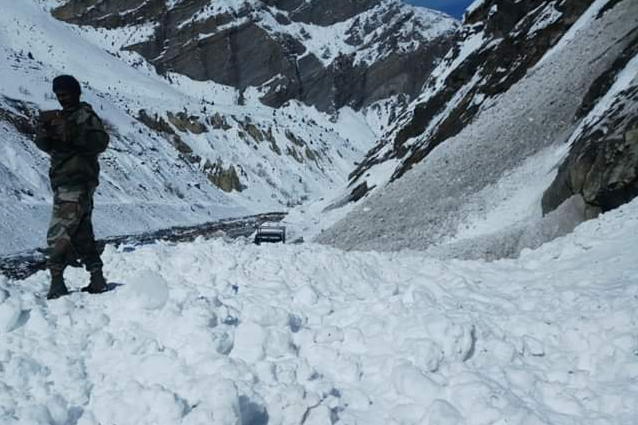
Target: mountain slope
479,188
185,88
324,53
176,157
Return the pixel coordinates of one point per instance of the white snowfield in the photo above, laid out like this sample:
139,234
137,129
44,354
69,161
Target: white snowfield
218,332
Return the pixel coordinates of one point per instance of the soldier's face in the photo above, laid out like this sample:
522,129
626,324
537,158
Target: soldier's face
67,99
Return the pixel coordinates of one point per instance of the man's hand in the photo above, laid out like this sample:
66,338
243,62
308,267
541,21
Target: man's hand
51,124
57,130
40,130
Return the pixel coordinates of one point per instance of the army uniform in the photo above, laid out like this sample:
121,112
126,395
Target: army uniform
73,140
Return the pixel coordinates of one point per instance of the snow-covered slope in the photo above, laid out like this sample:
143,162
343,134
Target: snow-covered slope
325,53
469,162
307,334
182,151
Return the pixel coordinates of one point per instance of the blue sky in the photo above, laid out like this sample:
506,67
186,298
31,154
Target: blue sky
451,7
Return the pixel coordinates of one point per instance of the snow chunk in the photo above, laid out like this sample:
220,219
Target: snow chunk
306,295
148,290
443,413
10,311
320,415
329,334
409,381
220,405
533,346
250,339
136,404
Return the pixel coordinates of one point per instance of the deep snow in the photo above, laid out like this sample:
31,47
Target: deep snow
225,332
231,333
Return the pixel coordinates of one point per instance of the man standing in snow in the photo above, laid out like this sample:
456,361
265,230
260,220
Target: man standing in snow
73,137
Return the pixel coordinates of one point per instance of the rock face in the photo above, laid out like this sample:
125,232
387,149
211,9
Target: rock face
602,166
325,53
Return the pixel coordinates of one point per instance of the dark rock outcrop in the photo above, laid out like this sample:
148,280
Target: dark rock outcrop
224,178
154,122
184,122
602,165
24,121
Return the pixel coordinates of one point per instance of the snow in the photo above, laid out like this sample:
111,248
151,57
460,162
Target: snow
625,79
9,313
517,199
148,290
549,17
281,333
473,6
329,42
440,74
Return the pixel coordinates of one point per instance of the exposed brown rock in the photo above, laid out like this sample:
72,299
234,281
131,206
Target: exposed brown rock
217,121
154,122
298,141
23,122
224,178
184,122
290,151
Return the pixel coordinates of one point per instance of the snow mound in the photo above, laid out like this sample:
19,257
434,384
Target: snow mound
310,334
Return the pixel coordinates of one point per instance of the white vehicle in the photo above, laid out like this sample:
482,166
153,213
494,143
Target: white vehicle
270,234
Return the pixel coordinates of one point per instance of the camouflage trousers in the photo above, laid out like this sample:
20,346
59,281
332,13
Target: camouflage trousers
70,237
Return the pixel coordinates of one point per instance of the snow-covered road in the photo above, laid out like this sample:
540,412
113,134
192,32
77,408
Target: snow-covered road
218,332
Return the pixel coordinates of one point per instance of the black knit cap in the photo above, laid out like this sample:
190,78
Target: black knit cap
66,83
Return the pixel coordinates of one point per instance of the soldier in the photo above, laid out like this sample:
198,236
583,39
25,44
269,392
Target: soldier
73,137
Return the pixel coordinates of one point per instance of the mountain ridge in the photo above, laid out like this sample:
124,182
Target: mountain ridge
322,53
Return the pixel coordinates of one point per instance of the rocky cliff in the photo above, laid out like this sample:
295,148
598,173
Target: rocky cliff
325,53
602,165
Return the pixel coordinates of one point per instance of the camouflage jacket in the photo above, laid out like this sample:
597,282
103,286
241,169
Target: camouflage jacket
75,148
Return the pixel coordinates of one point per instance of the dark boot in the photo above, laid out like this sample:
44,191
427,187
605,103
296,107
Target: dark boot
57,288
97,284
